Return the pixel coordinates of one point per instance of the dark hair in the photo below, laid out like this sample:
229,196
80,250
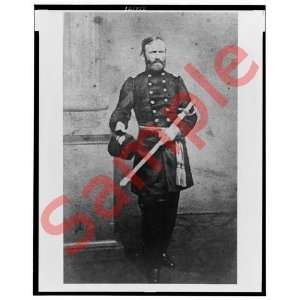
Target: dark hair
149,40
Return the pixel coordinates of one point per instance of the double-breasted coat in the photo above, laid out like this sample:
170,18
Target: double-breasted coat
156,98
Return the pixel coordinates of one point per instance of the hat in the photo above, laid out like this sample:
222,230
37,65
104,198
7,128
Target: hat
122,146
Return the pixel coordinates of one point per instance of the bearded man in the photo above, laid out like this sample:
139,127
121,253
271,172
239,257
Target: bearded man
157,97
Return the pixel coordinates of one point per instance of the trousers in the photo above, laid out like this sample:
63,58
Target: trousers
158,221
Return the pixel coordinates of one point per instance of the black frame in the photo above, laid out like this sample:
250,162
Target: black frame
36,147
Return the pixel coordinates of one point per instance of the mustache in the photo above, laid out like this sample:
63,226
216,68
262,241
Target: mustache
157,60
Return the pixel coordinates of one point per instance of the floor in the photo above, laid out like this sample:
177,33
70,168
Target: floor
203,247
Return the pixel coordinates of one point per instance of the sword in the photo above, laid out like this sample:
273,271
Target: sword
161,142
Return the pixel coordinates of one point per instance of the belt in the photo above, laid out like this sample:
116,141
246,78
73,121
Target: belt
151,130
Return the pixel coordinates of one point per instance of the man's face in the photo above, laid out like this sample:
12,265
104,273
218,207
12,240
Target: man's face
155,55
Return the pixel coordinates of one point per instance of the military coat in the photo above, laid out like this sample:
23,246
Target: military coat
156,98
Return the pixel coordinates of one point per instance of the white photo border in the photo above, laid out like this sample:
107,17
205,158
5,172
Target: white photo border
48,270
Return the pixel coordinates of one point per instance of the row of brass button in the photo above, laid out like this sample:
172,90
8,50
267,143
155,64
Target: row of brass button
162,73
156,120
150,83
153,102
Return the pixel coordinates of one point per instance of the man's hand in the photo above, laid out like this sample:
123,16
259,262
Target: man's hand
120,127
169,133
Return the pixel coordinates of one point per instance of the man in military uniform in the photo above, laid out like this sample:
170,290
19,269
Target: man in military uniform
157,97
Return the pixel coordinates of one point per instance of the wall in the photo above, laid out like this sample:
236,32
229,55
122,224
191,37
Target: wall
100,51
